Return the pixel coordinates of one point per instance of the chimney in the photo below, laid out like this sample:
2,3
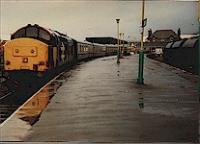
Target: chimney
179,33
149,34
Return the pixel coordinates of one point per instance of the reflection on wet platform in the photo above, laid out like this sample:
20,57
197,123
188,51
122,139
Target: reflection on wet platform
29,113
33,108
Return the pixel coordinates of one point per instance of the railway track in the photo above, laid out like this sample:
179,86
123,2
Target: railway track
6,111
12,95
6,106
12,100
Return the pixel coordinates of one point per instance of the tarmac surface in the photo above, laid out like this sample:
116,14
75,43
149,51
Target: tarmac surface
99,101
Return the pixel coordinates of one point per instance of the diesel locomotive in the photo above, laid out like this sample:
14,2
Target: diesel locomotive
35,50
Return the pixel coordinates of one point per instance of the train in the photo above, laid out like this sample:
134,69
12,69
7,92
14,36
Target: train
183,54
36,51
2,43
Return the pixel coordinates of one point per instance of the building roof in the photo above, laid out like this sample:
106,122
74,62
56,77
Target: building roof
103,40
164,34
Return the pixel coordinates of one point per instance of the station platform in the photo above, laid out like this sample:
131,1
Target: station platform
100,101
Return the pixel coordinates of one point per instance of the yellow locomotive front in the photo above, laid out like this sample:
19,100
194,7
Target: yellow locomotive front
26,54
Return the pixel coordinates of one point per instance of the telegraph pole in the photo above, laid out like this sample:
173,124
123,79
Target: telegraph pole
140,79
118,52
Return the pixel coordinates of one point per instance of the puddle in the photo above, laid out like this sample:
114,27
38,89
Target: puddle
141,102
109,58
118,69
168,107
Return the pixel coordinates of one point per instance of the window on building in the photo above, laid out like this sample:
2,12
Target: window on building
153,39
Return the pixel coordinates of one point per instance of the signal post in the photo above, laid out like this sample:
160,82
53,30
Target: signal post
140,79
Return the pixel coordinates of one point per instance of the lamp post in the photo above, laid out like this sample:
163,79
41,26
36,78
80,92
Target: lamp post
118,52
121,43
140,79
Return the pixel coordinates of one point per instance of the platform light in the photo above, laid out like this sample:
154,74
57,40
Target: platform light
118,52
25,60
32,51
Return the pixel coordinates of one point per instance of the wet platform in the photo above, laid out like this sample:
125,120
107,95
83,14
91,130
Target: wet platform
99,101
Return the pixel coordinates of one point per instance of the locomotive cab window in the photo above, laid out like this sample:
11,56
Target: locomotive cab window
20,33
32,32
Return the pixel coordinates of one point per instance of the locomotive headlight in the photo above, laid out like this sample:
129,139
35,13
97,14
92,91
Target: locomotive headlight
41,63
32,51
25,60
16,50
7,62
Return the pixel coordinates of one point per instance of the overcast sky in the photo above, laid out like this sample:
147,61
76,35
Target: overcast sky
80,19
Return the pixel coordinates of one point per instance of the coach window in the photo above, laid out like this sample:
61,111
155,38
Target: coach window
44,35
32,32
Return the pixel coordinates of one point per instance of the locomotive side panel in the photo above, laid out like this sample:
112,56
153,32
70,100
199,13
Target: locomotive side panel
67,51
55,56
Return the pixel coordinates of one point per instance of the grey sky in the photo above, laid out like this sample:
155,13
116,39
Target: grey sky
80,19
